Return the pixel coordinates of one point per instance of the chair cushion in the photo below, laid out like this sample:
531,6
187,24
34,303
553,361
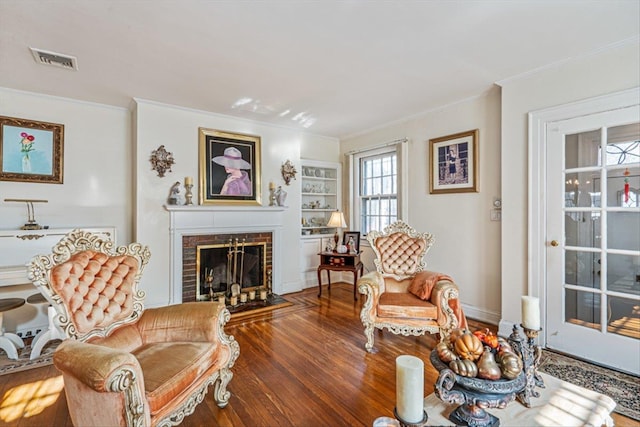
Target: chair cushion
96,288
400,254
170,368
405,305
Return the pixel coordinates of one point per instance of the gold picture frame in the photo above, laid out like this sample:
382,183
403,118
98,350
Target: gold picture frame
31,151
453,166
229,168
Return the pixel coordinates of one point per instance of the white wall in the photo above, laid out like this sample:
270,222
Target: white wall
467,243
177,128
582,78
96,189
97,166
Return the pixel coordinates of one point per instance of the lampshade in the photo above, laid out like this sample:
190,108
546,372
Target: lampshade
337,220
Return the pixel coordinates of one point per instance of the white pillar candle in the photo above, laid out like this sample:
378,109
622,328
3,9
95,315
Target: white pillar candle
410,388
531,313
243,297
252,295
263,295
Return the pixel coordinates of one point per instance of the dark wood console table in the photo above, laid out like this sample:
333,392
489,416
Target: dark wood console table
333,261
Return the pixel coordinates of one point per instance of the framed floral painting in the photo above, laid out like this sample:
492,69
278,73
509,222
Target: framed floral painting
31,151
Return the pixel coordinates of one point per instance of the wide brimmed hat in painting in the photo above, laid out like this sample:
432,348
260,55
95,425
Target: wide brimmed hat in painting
232,158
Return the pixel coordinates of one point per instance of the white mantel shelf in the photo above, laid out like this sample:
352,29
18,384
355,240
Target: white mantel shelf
225,208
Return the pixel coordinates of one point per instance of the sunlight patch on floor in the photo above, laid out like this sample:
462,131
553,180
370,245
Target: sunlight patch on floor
30,399
568,406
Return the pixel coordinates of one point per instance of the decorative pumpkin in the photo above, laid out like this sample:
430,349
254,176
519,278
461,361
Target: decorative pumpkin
504,348
455,334
468,346
464,368
510,365
502,342
444,352
488,368
487,337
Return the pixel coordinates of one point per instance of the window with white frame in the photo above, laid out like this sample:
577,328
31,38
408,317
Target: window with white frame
376,186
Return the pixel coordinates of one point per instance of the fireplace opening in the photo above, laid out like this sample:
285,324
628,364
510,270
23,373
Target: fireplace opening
221,266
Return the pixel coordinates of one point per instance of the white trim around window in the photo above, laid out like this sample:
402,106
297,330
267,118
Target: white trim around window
400,147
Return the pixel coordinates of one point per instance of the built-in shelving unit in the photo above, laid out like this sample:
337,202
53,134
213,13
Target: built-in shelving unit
320,192
321,196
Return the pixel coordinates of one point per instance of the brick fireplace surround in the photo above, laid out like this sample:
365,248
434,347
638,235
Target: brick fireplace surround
189,249
193,225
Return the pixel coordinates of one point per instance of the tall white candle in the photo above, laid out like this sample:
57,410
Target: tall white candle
531,313
410,388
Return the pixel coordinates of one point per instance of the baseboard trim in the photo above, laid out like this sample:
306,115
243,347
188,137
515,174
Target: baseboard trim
482,315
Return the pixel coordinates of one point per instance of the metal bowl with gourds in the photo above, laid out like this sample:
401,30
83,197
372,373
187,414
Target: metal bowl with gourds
480,354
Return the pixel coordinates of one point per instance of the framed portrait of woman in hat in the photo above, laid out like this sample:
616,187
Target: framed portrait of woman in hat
229,168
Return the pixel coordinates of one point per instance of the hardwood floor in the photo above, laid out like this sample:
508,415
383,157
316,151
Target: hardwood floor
302,365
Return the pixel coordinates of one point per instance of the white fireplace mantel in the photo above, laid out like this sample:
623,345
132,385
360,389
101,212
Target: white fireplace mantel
197,220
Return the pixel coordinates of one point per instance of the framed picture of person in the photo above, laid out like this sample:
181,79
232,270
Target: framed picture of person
229,168
453,166
351,239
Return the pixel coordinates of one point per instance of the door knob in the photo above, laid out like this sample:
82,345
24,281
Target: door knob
554,243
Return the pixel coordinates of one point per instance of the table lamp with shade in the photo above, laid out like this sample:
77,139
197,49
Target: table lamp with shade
337,221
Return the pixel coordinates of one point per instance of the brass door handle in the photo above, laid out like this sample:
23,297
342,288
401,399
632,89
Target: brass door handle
554,243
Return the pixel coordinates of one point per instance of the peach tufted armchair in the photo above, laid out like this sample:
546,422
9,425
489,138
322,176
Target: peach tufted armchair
123,365
400,295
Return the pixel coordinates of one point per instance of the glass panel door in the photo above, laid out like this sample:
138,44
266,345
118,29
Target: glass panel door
593,225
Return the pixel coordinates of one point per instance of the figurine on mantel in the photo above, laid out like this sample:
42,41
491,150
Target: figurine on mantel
281,196
175,195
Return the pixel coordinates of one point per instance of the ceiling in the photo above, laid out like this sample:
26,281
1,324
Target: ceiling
338,67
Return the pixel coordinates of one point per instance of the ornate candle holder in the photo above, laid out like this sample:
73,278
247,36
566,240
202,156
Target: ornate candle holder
272,196
188,195
403,423
530,354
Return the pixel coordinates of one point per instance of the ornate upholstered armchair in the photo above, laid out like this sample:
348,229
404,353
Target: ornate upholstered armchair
123,365
400,295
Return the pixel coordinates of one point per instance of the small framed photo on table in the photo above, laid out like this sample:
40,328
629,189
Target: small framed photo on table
351,239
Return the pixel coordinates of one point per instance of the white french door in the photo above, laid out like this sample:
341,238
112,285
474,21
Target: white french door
593,237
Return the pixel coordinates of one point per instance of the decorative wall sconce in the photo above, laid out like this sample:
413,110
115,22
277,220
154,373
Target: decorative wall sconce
288,171
161,160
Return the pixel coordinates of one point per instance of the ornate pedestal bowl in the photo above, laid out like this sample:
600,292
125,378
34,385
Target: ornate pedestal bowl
474,395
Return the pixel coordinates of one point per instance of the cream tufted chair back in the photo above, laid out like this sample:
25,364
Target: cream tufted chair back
92,287
400,250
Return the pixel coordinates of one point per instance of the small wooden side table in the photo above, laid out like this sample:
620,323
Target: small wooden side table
333,261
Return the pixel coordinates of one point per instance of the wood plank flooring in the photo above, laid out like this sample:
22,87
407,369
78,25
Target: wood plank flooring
302,365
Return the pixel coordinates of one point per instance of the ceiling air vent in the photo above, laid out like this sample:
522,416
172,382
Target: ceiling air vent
56,59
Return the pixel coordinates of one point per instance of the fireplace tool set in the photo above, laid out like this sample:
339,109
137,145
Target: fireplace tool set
235,276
